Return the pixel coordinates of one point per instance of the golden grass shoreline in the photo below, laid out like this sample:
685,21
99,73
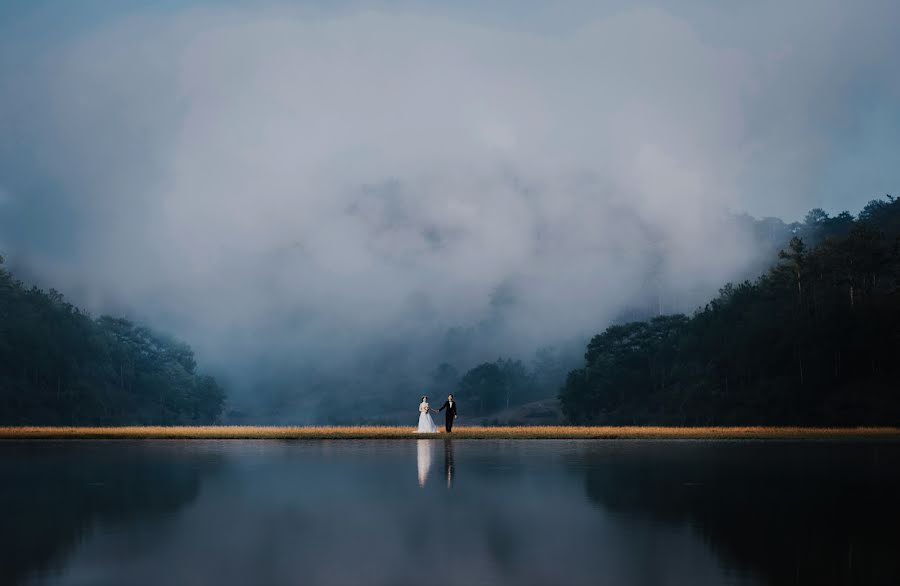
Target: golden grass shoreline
462,432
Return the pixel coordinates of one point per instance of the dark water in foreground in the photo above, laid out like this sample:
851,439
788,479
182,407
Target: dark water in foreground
435,512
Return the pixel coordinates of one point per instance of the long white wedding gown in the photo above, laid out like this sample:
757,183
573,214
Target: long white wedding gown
426,423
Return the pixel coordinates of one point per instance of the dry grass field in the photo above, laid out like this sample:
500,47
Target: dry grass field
374,432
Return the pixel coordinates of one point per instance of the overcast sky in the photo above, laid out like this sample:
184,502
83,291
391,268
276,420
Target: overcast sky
314,178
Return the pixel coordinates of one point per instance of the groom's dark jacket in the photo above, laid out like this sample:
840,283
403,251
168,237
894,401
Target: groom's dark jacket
451,409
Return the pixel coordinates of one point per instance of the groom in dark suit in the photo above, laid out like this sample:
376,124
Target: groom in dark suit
450,406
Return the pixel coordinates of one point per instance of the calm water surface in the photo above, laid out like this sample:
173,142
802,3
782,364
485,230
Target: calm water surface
449,512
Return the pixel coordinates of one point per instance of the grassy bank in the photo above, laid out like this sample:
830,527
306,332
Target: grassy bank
373,432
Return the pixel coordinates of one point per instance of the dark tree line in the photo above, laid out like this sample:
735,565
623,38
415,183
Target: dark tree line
815,340
491,387
58,365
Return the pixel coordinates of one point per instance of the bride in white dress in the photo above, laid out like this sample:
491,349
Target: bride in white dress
426,423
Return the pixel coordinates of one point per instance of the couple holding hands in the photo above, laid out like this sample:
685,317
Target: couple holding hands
426,423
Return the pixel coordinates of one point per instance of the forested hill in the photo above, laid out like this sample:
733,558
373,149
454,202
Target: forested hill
60,366
816,340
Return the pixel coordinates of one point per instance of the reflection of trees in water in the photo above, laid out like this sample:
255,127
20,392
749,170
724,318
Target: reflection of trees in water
54,494
794,514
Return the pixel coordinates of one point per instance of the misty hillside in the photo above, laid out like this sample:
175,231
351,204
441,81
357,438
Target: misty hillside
497,387
60,366
814,341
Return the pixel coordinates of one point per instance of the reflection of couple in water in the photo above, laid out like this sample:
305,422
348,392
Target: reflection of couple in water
425,447
424,451
426,423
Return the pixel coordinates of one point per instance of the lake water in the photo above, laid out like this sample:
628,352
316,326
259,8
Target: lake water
449,512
